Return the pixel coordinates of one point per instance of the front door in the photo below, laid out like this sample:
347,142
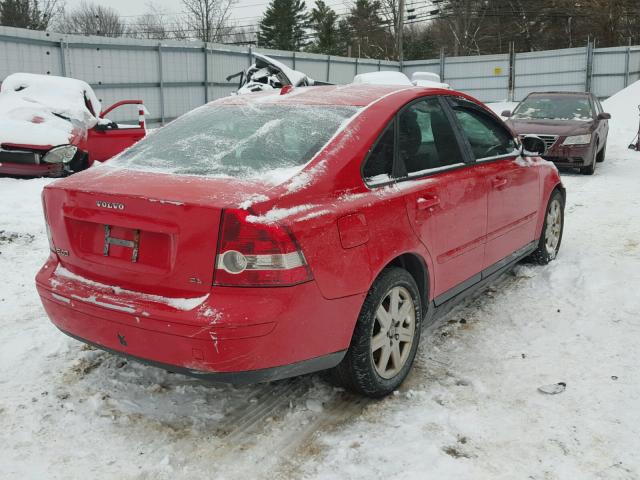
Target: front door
512,181
106,142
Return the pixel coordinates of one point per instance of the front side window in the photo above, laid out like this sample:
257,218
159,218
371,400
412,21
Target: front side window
426,139
486,136
241,141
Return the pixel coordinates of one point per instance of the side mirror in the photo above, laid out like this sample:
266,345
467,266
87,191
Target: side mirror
506,113
533,146
604,116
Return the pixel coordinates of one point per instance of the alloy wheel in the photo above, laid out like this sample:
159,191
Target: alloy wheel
554,228
393,332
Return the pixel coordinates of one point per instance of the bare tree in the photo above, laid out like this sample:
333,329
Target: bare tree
152,24
92,19
240,36
208,20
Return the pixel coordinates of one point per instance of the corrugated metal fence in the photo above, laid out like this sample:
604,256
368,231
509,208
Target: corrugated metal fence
175,77
171,77
603,71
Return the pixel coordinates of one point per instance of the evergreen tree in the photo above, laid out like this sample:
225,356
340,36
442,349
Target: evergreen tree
368,35
283,25
24,14
344,38
324,22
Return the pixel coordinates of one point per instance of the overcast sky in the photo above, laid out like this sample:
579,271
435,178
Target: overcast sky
244,11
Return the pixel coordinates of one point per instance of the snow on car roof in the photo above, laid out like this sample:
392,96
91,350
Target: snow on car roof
68,97
357,95
383,78
34,109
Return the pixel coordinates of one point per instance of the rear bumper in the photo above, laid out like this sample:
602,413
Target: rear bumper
237,378
31,170
236,335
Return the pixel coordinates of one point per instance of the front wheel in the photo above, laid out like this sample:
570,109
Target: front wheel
79,162
603,153
591,168
552,230
386,336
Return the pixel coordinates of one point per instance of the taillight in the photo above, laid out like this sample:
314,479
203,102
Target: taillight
46,223
256,254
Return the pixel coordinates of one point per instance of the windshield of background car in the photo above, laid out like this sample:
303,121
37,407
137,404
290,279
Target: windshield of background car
241,141
554,108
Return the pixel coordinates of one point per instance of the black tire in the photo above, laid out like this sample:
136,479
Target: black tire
543,255
79,162
357,371
591,168
602,154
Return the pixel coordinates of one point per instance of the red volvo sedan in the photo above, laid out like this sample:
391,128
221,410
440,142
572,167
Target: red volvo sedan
277,234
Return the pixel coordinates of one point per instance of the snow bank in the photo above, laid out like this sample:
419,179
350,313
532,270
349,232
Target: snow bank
623,107
31,107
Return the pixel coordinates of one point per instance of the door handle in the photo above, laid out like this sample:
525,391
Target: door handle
425,203
499,182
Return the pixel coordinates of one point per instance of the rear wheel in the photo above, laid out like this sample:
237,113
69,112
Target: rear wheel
552,229
386,336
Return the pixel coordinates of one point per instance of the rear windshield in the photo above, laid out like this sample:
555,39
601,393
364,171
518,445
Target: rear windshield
554,108
241,141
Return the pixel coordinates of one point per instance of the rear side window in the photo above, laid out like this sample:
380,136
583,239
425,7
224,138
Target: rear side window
426,139
379,164
486,136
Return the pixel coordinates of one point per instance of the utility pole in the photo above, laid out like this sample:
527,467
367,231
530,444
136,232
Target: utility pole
400,30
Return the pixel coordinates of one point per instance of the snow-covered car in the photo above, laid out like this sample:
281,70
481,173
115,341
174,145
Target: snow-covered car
269,74
428,79
52,126
418,79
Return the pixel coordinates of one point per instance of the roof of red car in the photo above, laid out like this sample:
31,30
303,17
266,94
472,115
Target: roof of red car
356,95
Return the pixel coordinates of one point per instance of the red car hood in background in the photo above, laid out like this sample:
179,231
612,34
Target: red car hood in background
550,127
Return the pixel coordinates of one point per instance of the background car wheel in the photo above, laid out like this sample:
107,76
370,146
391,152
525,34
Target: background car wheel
602,154
80,162
386,336
552,229
591,168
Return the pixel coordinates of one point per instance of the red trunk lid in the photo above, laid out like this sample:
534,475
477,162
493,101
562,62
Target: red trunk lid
153,233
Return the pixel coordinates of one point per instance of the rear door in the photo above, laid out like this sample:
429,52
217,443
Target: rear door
512,181
446,200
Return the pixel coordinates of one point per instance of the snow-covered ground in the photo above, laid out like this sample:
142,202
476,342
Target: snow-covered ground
471,408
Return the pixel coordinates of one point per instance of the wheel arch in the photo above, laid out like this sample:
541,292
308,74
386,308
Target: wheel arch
416,265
